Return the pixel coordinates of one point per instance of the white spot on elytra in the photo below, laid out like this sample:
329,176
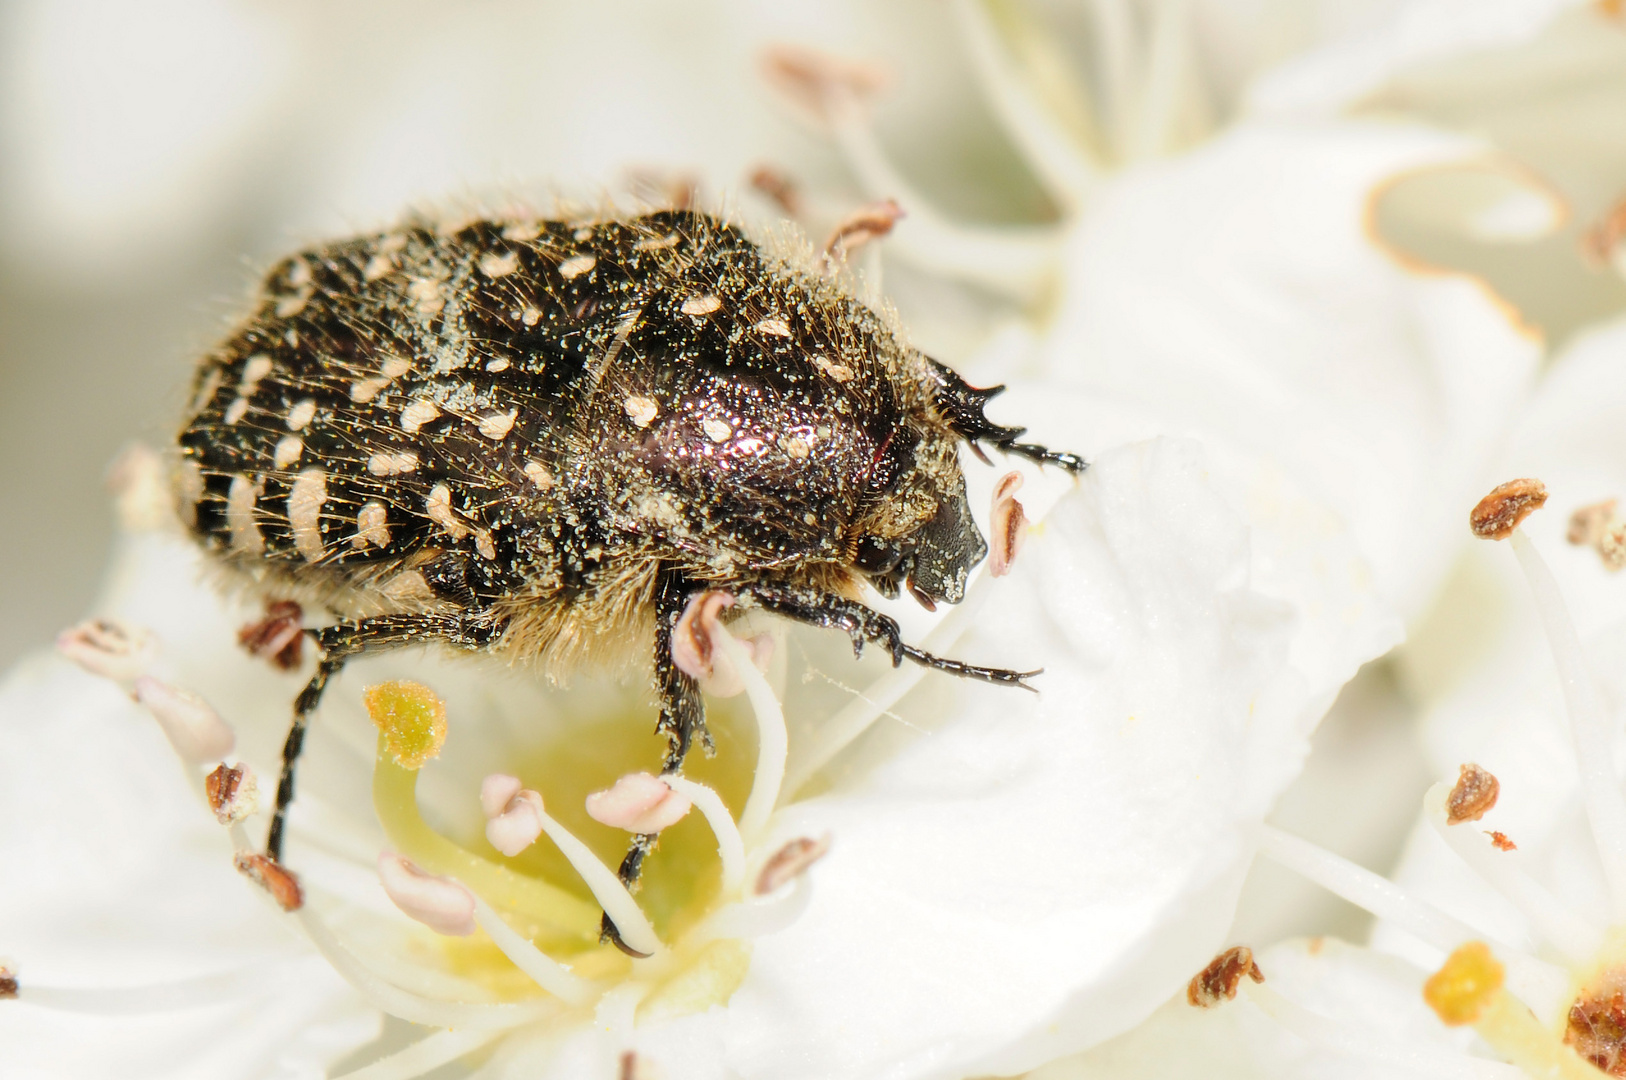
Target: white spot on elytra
426,295
577,265
522,230
300,416
394,367
245,531
293,304
539,475
701,305
417,414
372,526
289,448
388,464
642,410
776,327
378,266
364,390
305,499
496,426
189,485
795,446
531,316
582,234
236,410
484,544
438,508
839,372
495,266
657,243
716,430
299,273
255,368
499,364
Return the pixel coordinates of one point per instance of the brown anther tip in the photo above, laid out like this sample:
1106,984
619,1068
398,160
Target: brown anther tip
1499,513
779,187
1007,525
8,983
818,81
1588,523
1500,841
791,862
231,792
864,225
1218,981
1596,1025
274,878
279,637
634,1067
1473,796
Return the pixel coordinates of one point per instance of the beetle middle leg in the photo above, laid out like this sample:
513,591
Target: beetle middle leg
341,643
865,625
682,721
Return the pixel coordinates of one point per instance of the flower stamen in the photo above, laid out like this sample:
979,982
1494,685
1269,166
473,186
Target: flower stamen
1551,918
440,903
1535,980
1468,989
1219,980
730,845
1498,516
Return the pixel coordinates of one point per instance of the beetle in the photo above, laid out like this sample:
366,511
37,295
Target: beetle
540,438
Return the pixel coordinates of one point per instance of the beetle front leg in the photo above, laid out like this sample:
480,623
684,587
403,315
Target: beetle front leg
862,624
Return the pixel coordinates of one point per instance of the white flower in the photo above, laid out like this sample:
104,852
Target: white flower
1009,877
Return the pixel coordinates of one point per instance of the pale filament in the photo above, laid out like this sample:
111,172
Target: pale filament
1590,726
730,845
1537,983
1553,920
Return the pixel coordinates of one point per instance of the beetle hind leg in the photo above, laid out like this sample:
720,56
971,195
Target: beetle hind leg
682,721
341,643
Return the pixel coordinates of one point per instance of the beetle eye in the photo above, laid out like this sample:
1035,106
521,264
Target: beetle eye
875,557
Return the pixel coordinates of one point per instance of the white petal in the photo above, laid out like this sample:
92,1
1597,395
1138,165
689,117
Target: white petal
1234,293
1055,866
118,875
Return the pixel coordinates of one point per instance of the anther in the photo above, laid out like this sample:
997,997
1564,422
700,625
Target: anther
443,905
1007,525
1500,841
1466,985
8,983
1587,523
233,793
279,637
863,226
109,648
790,862
194,729
1473,796
818,82
1496,515
638,803
273,877
513,814
694,646
1218,981
411,718
779,187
